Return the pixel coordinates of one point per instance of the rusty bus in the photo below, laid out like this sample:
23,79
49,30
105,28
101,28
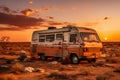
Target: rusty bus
71,42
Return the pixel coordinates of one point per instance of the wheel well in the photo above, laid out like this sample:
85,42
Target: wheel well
73,54
40,54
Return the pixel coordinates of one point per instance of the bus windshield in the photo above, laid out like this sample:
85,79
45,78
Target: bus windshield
89,37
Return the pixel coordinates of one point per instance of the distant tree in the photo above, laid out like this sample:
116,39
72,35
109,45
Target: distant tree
5,39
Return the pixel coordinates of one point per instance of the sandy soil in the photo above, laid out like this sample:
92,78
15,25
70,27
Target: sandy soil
58,71
104,69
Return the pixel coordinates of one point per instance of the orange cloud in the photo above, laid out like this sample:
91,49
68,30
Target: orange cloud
50,17
19,21
27,12
13,22
30,2
55,23
90,23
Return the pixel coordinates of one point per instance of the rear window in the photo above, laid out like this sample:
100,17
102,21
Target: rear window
89,37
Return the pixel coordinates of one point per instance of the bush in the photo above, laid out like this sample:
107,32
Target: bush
17,68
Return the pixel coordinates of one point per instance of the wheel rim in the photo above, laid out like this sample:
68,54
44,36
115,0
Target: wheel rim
75,59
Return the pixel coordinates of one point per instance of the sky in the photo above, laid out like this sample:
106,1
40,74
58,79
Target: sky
19,18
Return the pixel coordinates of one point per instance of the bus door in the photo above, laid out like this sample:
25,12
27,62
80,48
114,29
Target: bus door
74,45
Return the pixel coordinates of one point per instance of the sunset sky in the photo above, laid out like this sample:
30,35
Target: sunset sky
19,18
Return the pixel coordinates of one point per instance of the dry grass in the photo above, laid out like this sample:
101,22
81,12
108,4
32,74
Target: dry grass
117,69
85,71
101,77
105,76
17,68
100,62
112,60
59,76
9,77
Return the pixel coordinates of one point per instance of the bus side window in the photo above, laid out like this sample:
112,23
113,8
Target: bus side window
59,36
42,38
50,38
73,38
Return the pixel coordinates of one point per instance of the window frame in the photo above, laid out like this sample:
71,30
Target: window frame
50,36
42,36
60,37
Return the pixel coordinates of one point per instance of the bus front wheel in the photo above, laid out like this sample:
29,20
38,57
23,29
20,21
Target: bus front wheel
74,59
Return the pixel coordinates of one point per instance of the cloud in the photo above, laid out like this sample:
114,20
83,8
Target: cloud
54,23
5,9
50,17
30,2
90,23
22,22
27,12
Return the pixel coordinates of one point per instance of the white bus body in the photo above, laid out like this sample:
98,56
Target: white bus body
73,43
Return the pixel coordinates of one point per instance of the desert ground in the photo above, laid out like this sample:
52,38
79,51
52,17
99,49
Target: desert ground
105,68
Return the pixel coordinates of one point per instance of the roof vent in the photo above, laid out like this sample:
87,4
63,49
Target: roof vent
51,27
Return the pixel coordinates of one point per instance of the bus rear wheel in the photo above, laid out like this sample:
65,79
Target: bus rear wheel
74,59
43,57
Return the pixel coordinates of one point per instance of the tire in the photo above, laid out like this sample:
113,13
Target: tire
43,58
74,59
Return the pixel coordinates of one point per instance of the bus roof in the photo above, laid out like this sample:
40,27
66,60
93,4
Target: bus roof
65,29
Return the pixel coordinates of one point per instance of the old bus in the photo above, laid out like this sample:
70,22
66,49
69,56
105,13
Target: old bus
71,42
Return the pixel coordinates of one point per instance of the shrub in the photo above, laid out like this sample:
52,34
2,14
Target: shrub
17,67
